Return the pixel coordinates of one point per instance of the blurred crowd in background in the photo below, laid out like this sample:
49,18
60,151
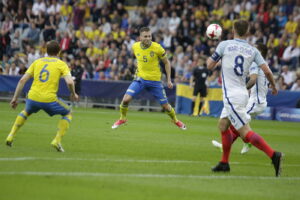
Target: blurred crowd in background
96,35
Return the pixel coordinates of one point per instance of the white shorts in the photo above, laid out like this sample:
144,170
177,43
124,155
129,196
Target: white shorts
254,109
236,113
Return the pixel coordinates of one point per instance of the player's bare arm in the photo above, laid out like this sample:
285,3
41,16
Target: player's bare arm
270,77
251,81
168,71
20,86
71,87
211,64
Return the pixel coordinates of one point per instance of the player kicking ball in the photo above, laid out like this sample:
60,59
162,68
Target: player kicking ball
148,77
237,56
46,73
258,94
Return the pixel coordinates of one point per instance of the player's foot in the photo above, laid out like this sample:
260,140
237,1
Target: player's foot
9,140
57,146
246,148
276,161
118,123
180,125
221,167
217,144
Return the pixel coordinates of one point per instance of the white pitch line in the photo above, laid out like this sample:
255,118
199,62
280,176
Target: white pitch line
103,160
2,159
100,174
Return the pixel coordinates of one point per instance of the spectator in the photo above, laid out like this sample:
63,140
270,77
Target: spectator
50,28
296,85
38,7
280,84
32,35
289,77
13,69
291,55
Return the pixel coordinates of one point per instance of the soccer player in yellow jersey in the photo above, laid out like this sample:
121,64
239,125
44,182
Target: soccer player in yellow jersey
46,73
148,76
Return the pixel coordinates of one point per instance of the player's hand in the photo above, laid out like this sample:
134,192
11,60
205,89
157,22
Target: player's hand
74,97
14,103
274,91
170,84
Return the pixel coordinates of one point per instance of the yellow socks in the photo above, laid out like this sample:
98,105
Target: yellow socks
123,111
63,126
172,114
20,120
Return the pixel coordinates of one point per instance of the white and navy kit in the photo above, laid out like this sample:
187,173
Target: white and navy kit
237,56
258,95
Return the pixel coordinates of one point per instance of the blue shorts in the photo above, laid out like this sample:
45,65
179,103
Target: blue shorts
53,108
154,87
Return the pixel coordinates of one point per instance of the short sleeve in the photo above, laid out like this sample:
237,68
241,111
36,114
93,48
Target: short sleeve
258,59
30,69
161,52
253,69
65,70
217,55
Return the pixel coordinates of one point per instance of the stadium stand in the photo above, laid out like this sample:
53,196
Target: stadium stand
98,34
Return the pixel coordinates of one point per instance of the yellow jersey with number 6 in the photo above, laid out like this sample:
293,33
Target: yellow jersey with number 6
46,73
148,60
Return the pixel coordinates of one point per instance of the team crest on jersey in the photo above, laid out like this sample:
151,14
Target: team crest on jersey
151,53
138,54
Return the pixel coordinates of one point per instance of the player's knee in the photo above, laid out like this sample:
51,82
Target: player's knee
223,125
166,107
67,117
126,100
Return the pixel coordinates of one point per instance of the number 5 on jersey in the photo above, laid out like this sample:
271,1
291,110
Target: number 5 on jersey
145,58
44,74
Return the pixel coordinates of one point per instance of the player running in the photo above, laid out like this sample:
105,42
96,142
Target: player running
237,56
258,94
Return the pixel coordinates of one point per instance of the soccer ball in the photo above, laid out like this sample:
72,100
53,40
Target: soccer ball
214,31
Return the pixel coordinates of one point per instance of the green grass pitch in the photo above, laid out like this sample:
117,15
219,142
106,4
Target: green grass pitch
149,158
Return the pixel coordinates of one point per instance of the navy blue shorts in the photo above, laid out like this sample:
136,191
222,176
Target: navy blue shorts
53,108
154,87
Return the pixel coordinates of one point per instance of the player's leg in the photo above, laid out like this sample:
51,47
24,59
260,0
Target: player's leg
31,107
63,126
59,107
227,141
253,109
19,122
135,87
256,140
157,90
172,114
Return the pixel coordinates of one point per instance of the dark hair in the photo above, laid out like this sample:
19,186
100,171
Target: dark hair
263,49
53,48
241,27
144,29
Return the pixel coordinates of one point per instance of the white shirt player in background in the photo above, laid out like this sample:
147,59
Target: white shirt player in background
237,56
258,94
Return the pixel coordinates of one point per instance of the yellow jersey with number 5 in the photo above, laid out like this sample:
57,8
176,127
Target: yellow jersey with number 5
148,60
46,73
